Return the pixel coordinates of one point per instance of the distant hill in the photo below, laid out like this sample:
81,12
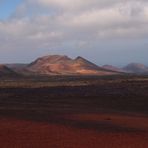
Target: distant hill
5,71
136,68
113,68
16,65
19,68
63,65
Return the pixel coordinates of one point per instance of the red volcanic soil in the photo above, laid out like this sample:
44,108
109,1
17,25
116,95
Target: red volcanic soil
111,113
76,131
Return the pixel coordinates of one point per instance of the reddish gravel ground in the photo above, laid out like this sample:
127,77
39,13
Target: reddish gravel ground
79,131
108,112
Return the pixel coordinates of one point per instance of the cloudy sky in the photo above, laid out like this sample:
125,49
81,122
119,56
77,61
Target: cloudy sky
103,31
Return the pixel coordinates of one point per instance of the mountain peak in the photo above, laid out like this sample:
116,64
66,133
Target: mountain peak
55,57
61,64
3,67
5,71
136,65
50,59
79,58
136,68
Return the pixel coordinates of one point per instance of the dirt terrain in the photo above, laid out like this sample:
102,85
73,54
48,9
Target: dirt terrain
74,112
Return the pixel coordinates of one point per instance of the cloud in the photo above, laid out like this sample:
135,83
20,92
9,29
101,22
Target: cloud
95,18
58,23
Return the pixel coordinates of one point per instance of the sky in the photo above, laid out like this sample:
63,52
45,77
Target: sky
103,31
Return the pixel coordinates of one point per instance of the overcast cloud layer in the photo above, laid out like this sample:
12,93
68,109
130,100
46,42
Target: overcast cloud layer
105,31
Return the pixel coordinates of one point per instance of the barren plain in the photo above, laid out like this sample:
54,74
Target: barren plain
74,112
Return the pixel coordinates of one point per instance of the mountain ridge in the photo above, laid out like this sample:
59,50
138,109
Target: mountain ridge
6,71
64,65
61,64
136,68
113,68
